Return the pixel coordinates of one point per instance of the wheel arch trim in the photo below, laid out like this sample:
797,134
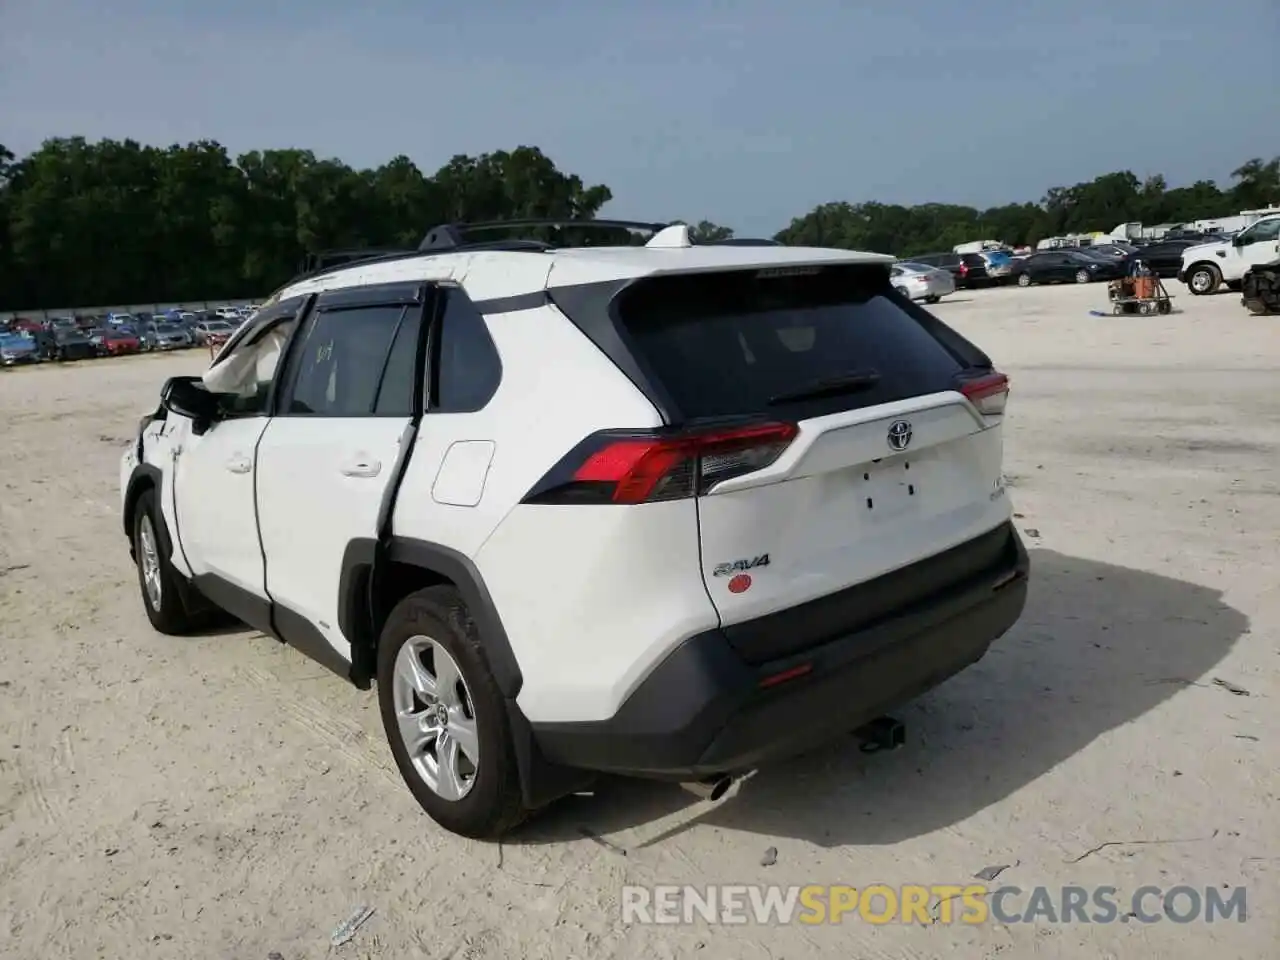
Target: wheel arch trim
144,476
355,616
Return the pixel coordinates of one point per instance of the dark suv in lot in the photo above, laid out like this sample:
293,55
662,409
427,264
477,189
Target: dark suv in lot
69,344
969,269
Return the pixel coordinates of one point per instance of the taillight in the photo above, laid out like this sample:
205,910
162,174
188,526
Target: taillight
632,468
964,269
989,393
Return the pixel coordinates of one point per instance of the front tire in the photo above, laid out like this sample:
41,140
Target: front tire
157,577
445,717
1024,279
932,298
1082,276
1204,279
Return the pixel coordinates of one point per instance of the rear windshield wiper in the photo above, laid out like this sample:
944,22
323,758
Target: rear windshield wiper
830,387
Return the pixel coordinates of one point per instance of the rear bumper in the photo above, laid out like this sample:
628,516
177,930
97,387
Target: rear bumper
703,711
923,291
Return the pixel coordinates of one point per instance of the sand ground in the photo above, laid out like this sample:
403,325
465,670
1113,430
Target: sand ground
222,796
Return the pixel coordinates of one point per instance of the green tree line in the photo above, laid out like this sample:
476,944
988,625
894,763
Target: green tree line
83,224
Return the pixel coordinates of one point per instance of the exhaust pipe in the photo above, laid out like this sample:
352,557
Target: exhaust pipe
711,789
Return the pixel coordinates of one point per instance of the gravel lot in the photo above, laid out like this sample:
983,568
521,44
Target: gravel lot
222,796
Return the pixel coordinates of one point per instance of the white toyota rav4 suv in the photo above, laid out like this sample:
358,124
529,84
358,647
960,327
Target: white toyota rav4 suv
666,510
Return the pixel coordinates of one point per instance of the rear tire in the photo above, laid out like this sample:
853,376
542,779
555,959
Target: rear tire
157,577
1204,279
473,796
1024,279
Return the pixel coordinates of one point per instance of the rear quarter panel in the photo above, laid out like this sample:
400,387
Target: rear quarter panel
590,596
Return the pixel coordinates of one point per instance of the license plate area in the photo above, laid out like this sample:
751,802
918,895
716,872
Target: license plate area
888,489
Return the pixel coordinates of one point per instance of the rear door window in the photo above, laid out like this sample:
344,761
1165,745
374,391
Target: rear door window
736,343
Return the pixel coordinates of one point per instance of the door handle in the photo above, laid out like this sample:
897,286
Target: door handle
239,464
362,467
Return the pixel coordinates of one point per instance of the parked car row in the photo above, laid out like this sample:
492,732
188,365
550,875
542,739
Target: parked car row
1216,261
86,337
969,270
187,320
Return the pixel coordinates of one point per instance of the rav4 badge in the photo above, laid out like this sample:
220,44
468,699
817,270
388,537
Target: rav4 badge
740,566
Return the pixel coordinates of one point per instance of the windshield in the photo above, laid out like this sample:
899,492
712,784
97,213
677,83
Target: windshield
71,336
168,328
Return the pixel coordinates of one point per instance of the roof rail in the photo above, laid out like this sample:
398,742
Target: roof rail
327,261
457,236
324,259
740,242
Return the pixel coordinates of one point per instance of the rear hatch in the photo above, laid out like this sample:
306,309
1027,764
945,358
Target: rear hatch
973,266
867,441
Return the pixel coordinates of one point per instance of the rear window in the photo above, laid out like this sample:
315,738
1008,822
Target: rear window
733,344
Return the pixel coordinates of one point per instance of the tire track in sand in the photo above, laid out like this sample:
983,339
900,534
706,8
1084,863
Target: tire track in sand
345,737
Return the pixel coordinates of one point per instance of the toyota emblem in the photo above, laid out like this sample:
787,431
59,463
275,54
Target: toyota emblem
899,435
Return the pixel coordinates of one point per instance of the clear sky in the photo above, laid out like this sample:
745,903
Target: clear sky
744,112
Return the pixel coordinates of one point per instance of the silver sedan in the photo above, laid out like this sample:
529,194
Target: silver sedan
917,281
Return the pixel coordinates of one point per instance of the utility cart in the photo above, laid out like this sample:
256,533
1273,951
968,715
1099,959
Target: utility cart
1140,293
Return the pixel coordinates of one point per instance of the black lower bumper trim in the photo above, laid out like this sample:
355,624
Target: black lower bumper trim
702,711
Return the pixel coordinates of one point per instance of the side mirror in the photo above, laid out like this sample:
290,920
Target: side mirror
1239,240
188,397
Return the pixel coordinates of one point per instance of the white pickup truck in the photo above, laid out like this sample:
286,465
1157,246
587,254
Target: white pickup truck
1207,266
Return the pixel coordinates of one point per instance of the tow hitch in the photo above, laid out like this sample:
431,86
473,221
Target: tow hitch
882,733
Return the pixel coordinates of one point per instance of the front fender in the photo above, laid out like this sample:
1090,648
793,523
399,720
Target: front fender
149,465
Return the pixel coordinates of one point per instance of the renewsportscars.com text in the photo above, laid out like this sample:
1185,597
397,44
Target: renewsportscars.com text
936,903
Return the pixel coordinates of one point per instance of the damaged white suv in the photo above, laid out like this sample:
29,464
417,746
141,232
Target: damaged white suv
666,510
